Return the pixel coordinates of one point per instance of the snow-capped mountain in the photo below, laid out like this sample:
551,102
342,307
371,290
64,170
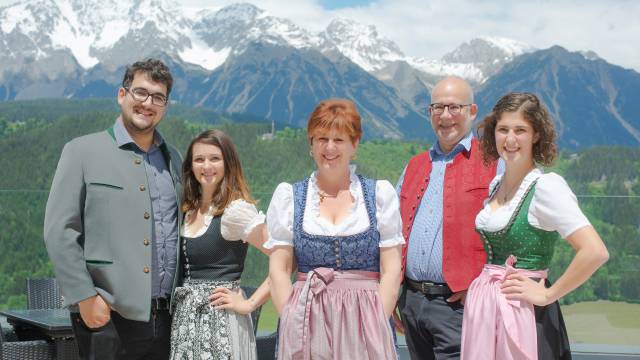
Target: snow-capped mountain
109,32
232,29
486,54
112,33
241,59
89,29
362,44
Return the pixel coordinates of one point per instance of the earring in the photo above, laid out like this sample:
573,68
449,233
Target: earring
310,153
353,157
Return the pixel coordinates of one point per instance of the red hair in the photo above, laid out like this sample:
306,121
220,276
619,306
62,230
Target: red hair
338,114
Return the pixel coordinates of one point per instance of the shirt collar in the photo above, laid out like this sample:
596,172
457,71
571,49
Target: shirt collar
122,135
463,145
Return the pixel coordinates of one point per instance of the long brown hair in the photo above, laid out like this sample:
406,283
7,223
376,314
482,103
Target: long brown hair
233,185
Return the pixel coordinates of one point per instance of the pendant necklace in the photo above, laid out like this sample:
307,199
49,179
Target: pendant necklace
324,195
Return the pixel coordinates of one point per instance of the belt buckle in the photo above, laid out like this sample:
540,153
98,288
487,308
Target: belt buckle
424,286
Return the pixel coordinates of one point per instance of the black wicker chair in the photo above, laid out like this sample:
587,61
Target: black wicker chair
6,331
255,314
266,346
43,294
25,350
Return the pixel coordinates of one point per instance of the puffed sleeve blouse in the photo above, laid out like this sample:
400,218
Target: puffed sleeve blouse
237,221
280,214
554,206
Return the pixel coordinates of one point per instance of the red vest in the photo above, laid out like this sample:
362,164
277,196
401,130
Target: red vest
466,185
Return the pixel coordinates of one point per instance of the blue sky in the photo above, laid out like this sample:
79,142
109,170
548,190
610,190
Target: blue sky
339,4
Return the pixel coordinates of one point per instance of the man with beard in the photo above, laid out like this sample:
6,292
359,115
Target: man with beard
111,225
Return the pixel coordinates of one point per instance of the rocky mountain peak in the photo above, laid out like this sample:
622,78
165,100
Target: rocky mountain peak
487,54
241,12
487,50
362,44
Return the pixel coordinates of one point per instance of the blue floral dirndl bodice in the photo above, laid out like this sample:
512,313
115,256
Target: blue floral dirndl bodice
352,252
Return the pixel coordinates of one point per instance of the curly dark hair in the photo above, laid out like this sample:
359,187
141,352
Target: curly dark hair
154,68
534,111
233,185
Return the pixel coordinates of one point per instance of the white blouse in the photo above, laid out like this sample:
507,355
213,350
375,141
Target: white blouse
237,222
280,214
554,206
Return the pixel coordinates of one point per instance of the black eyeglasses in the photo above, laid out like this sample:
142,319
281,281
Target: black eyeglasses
454,109
142,94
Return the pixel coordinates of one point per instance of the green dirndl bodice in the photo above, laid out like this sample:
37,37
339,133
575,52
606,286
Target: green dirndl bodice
532,247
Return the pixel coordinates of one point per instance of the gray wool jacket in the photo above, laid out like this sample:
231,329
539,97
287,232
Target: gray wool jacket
99,222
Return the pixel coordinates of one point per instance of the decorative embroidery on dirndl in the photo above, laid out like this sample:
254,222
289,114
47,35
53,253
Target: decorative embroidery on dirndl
198,332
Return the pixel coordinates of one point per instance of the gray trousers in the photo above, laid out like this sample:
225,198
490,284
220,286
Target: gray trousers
433,326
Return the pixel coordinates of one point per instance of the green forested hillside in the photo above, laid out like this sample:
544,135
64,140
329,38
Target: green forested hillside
29,154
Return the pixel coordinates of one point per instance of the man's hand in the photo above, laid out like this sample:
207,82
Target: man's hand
460,295
94,311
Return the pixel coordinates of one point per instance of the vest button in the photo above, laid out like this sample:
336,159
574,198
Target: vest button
146,242
137,161
142,188
146,215
145,269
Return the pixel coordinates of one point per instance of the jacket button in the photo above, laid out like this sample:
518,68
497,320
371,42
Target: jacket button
146,242
146,215
142,188
145,269
137,161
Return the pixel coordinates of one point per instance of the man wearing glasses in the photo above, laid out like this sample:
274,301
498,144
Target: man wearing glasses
441,192
111,225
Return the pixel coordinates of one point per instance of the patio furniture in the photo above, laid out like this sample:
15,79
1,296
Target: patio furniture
53,326
43,294
10,349
266,346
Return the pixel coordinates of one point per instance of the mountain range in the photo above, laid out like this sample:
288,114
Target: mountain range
241,59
